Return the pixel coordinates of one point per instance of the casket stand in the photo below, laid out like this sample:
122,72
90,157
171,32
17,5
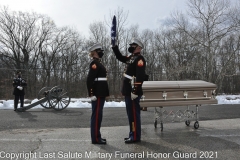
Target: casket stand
161,94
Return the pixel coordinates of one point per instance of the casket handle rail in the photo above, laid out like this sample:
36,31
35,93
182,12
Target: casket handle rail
176,99
205,93
164,95
214,94
185,94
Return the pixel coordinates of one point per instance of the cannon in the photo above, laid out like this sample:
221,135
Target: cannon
55,98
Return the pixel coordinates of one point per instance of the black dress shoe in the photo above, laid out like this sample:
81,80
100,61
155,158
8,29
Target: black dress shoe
126,139
103,139
99,142
129,140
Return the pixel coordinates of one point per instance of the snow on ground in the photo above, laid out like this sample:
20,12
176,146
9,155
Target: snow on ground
85,102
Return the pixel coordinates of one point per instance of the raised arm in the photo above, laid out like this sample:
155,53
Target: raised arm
118,54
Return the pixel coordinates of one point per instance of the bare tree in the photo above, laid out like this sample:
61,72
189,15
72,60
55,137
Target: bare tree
21,38
211,24
51,54
73,65
17,36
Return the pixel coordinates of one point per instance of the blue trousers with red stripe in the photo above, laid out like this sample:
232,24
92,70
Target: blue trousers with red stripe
96,118
134,117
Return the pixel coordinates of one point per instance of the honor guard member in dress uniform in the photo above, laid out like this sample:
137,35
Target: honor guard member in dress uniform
19,84
134,76
97,90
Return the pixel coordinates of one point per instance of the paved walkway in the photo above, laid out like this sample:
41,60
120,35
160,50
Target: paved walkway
215,139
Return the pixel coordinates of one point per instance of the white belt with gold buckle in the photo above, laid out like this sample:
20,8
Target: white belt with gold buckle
127,76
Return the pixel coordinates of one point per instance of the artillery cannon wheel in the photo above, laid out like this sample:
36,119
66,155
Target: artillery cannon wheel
187,122
196,125
41,94
58,98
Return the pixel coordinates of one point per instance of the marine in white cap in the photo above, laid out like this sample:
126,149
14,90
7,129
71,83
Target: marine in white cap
136,41
134,76
95,46
97,91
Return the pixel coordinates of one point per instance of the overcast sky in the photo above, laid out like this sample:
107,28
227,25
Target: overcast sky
80,13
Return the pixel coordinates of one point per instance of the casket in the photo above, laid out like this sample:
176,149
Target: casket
177,93
159,94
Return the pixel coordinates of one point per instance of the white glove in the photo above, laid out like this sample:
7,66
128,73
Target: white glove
133,96
19,87
93,98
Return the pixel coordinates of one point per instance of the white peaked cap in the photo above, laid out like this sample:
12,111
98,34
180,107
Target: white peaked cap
136,41
95,46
